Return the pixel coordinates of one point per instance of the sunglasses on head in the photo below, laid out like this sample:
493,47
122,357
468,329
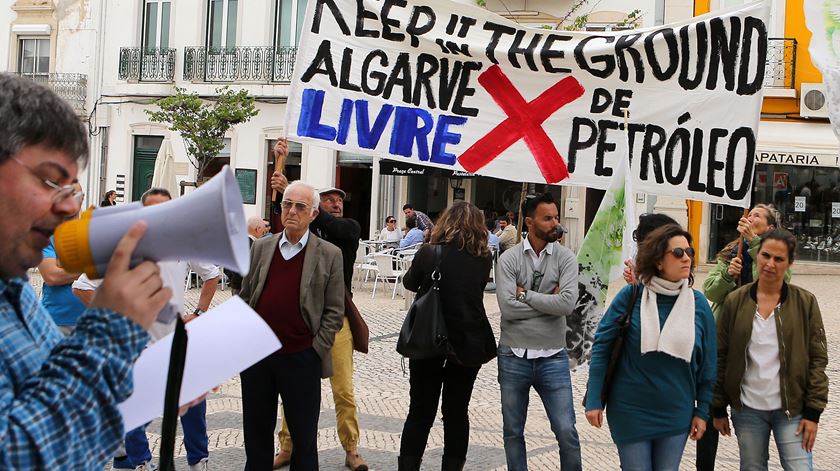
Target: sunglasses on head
679,252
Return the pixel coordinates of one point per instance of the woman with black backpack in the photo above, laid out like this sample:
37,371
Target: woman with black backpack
459,259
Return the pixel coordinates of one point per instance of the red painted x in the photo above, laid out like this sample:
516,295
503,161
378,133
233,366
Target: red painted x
524,120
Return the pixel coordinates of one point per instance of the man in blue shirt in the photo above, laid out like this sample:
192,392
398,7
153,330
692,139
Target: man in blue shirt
57,293
414,237
492,239
59,395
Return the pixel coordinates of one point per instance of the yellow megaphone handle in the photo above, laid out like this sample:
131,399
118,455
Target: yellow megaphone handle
72,245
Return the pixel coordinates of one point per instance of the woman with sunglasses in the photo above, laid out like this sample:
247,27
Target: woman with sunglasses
662,382
730,272
771,359
390,233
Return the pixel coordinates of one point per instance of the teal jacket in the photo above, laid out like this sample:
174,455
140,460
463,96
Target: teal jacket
653,395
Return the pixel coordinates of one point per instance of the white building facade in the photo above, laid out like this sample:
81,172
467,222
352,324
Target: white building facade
125,54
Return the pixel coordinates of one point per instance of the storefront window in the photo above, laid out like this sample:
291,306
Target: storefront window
808,198
497,197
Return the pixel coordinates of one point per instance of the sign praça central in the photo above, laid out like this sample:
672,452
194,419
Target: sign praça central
431,83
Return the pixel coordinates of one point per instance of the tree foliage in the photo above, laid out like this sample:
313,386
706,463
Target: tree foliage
201,124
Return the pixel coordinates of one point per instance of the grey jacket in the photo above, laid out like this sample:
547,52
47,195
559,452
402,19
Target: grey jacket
539,322
321,290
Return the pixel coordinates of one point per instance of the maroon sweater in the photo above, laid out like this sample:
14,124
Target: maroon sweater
279,303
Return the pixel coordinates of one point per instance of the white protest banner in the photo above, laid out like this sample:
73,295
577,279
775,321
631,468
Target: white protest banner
431,82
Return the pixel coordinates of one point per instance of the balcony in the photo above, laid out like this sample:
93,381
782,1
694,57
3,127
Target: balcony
239,64
147,64
71,87
780,71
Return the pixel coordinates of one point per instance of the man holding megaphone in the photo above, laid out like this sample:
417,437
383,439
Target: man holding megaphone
58,395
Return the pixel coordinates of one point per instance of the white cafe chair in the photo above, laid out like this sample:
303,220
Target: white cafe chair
386,272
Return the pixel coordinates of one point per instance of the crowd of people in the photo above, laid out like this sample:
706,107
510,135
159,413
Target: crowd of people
666,365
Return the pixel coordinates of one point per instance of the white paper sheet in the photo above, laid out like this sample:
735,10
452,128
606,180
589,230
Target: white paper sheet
222,343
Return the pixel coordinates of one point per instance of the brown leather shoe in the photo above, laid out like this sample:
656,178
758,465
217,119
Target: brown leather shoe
355,462
282,458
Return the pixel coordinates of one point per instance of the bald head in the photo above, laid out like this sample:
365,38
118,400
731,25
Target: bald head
256,226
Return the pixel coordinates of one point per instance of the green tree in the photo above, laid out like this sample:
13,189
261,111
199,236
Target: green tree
202,124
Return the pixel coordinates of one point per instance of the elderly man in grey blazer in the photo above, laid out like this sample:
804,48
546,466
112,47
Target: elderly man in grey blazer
296,284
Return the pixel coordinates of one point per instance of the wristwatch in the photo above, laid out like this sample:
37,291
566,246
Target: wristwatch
198,311
521,297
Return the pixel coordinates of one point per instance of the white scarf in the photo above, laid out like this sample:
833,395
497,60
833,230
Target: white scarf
677,336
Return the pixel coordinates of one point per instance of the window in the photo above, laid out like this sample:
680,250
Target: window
289,22
291,171
606,27
221,159
34,57
221,32
156,24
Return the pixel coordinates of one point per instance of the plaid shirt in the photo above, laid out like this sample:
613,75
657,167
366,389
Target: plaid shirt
423,221
59,395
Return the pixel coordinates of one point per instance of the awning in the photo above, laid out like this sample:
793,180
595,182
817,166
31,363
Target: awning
796,143
395,167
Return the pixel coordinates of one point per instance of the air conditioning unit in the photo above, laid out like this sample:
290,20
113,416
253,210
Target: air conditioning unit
813,101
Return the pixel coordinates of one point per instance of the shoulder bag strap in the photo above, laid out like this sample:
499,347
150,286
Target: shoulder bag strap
624,320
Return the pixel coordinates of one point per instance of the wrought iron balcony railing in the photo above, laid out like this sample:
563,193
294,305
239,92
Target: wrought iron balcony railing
239,64
780,71
147,64
284,63
71,87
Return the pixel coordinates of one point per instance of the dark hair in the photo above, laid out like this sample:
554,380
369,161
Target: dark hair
505,218
650,221
153,192
109,193
529,207
653,248
33,115
462,224
490,224
407,206
411,223
784,236
389,218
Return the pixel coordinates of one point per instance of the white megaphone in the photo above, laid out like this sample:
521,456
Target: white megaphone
207,226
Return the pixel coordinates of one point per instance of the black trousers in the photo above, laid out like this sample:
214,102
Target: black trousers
427,378
296,377
707,448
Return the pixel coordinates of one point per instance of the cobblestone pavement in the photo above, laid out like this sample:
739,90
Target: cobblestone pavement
382,396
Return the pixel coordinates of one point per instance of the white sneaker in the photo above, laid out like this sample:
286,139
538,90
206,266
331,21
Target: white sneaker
200,466
147,466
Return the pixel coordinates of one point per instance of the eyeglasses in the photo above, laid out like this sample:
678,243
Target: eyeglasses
679,252
59,192
299,207
391,221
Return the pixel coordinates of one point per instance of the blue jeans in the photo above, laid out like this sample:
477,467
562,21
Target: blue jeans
551,379
194,423
752,427
662,454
